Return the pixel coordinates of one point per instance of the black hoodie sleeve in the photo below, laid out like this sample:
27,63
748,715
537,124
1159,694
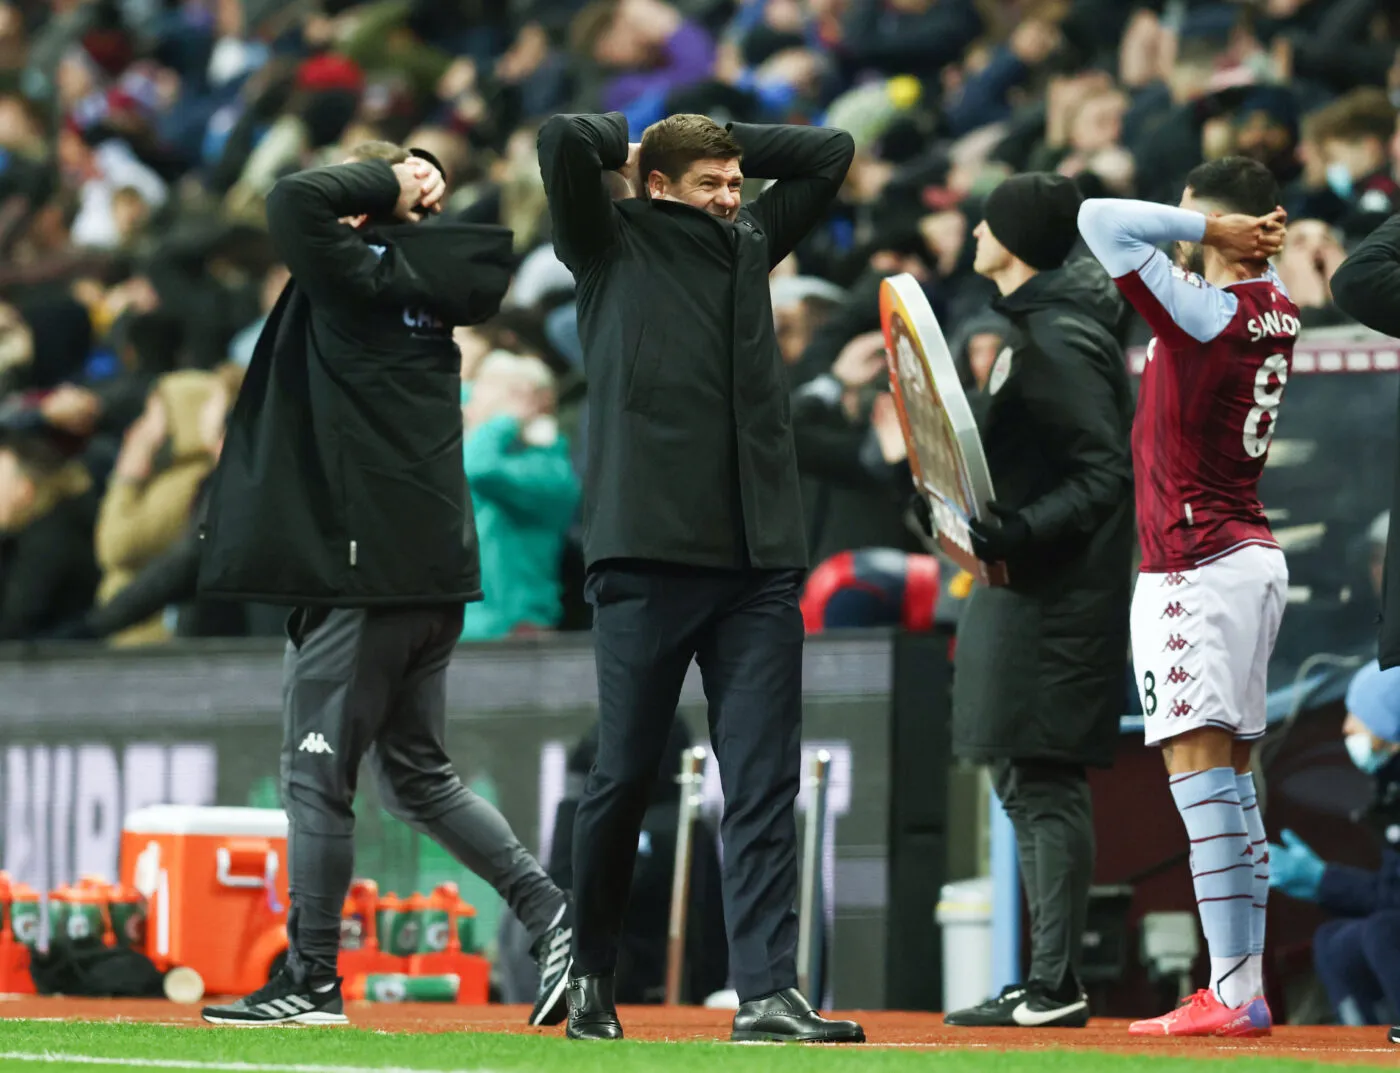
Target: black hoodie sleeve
809,164
1077,401
1367,285
328,260
574,152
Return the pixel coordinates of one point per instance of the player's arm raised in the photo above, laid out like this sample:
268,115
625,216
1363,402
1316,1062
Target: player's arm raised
1179,306
1367,283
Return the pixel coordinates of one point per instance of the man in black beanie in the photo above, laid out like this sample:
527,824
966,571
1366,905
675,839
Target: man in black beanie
1041,665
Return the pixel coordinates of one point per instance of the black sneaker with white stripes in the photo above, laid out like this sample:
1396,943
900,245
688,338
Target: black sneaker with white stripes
552,955
1029,1005
282,1001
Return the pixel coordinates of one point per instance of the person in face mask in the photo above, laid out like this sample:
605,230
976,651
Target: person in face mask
1357,955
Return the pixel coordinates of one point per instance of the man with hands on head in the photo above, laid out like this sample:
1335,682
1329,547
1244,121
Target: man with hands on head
693,523
340,491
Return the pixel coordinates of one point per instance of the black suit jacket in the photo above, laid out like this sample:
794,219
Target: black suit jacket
690,450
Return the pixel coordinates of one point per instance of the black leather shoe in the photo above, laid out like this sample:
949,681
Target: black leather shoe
592,1012
787,1017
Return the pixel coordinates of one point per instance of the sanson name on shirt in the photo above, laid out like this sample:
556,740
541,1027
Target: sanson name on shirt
1271,324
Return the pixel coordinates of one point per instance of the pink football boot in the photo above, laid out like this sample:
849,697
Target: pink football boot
1205,1015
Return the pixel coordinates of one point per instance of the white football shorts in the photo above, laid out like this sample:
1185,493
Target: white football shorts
1202,640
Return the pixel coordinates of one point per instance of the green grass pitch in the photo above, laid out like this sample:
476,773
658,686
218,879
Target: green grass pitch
95,1047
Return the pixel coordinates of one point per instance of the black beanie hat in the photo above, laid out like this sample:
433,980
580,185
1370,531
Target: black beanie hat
1036,217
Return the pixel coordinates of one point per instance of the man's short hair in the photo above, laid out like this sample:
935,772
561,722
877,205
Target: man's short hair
1236,184
385,151
673,144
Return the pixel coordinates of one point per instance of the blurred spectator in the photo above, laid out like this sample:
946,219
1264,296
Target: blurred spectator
47,512
908,36
1312,255
1358,954
851,455
164,460
800,305
649,47
524,493
100,174
139,610
1350,150
240,351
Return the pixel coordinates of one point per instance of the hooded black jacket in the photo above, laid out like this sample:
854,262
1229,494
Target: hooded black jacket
690,449
1041,664
341,481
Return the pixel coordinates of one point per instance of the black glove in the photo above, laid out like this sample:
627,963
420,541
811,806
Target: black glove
995,542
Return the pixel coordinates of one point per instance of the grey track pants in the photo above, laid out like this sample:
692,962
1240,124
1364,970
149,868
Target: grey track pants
1050,808
373,682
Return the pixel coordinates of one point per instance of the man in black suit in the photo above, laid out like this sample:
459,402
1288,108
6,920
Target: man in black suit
692,520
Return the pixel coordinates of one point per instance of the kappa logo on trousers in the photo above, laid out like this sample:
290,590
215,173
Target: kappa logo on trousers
314,743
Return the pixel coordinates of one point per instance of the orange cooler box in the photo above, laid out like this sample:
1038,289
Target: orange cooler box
215,881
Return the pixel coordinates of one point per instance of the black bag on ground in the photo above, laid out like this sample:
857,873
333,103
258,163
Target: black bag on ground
96,972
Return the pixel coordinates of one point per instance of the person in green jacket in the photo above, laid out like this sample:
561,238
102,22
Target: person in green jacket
524,492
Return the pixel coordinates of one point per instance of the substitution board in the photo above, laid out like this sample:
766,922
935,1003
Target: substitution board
945,450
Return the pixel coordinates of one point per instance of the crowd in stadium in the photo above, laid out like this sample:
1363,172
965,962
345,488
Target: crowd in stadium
139,138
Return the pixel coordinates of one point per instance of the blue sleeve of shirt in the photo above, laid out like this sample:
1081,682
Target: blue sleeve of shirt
1124,236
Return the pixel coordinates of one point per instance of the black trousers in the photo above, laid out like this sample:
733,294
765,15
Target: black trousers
373,682
744,629
1050,807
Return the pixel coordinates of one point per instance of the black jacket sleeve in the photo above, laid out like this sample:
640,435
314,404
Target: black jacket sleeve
809,164
169,579
574,152
1367,285
329,261
1075,397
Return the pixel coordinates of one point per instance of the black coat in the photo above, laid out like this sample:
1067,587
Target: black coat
1041,664
690,449
1365,287
48,570
341,481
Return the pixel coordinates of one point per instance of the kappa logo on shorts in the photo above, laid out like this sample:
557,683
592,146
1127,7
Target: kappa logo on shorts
314,743
1174,579
1176,642
1174,610
1177,676
1179,709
